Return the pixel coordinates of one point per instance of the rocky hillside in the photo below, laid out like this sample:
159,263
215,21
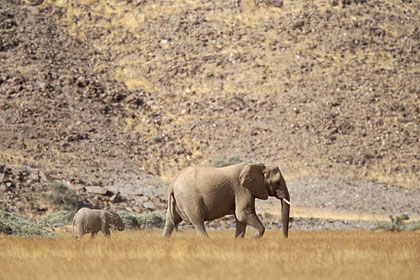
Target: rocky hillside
105,93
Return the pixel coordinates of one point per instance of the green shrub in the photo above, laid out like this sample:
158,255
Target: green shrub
142,221
61,196
413,225
60,218
151,220
387,226
398,224
4,227
129,220
222,162
12,223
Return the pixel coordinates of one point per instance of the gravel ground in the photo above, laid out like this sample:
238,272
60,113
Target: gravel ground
363,197
335,195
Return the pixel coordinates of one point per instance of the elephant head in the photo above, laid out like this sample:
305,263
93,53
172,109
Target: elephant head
263,181
115,219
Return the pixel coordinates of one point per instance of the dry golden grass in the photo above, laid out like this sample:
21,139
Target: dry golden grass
143,255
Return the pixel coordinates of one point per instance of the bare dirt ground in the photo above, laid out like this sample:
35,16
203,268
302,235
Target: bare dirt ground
334,203
121,95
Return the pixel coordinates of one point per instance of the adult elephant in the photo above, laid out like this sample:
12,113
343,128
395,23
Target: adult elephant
94,220
201,194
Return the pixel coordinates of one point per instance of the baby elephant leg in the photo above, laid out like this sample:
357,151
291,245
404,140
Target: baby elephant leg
105,231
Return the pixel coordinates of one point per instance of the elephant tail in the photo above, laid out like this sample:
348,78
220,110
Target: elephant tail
171,208
74,220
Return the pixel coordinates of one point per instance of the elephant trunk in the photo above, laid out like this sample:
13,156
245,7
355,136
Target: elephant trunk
285,210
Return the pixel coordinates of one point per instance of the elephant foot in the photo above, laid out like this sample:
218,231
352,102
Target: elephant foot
202,234
257,235
240,229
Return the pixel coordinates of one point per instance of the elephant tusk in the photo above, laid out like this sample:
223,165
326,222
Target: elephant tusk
285,200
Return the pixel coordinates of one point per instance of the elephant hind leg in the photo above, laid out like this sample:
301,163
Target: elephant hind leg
196,215
80,233
201,230
171,223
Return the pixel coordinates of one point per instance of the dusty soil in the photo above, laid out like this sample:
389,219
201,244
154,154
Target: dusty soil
121,95
334,203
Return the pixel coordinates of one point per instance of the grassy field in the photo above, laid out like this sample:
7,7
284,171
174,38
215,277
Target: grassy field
143,255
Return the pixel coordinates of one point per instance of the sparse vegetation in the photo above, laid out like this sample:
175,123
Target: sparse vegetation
62,197
398,223
59,218
151,220
142,221
412,225
221,162
129,220
12,223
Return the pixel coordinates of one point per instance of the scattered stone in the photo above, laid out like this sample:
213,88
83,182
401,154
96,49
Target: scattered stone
116,198
99,190
149,205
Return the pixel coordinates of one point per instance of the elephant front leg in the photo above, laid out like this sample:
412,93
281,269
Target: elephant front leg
245,214
105,230
240,229
253,221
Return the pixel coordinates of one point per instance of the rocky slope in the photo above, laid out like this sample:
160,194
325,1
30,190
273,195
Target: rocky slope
108,93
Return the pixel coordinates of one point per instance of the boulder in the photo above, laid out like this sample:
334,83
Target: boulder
99,190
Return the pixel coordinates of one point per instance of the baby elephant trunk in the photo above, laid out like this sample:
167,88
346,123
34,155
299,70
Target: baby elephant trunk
285,210
118,222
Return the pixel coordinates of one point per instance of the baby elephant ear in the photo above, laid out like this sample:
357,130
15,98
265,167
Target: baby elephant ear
108,217
252,178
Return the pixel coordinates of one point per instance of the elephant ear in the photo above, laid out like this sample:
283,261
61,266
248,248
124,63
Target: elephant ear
115,218
252,178
107,218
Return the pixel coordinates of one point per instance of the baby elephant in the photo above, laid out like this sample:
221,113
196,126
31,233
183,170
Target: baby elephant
95,220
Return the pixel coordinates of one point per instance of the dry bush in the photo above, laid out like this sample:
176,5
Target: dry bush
62,197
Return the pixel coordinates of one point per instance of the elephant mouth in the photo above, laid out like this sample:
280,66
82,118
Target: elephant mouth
285,200
282,195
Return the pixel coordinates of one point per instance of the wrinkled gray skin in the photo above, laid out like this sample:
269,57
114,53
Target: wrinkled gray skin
94,220
201,194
